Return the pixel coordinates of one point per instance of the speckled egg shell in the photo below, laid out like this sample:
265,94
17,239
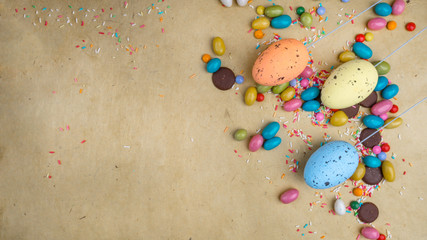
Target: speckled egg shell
280,63
349,84
330,165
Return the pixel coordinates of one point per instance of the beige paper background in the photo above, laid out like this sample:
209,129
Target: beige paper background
180,178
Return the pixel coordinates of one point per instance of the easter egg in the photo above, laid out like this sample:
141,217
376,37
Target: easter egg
273,11
359,173
292,105
361,50
396,123
300,10
349,84
369,36
311,106
288,94
383,116
377,23
381,84
213,65
398,7
281,22
390,91
383,68
383,9
272,143
218,46
260,10
280,88
310,93
281,62
240,134
250,96
371,161
381,107
339,119
262,88
306,19
289,196
227,3
372,121
330,165
307,72
260,23
388,171
339,207
270,130
370,233
242,3
347,56
256,143
304,82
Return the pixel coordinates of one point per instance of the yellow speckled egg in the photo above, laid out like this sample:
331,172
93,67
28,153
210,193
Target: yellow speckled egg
349,84
281,62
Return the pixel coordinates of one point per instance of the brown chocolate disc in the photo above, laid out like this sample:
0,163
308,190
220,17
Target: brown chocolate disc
372,141
370,100
352,111
224,78
373,176
368,212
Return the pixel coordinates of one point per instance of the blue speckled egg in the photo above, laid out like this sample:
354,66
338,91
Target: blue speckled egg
381,84
272,143
383,9
371,161
270,130
372,121
330,165
310,94
390,91
311,106
361,50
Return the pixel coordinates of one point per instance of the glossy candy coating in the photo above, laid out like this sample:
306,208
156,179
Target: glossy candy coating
270,130
292,105
250,96
256,143
390,91
272,143
288,94
273,11
381,84
261,23
359,173
213,65
240,134
383,68
311,106
218,46
396,123
339,119
306,19
361,50
281,22
347,56
377,23
289,196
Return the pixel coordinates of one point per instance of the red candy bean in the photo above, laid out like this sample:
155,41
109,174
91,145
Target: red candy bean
385,147
382,237
394,109
411,26
260,97
360,38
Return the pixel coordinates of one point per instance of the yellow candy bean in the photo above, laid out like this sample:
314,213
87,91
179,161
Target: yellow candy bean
250,96
288,94
388,171
396,123
347,56
339,119
218,46
359,173
260,10
261,23
369,36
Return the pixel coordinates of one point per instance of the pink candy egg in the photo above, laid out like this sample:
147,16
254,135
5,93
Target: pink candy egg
289,196
304,82
320,116
381,107
376,149
256,143
292,105
370,233
377,23
383,116
307,73
398,7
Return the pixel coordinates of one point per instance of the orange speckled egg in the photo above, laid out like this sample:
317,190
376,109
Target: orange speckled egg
281,62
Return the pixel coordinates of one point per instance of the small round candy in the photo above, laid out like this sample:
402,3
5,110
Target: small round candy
320,116
321,10
206,58
383,116
385,147
376,149
260,97
258,34
260,10
360,38
304,82
391,25
240,79
240,134
394,109
382,156
369,36
344,1
381,237
293,82
357,192
300,10
411,26
354,205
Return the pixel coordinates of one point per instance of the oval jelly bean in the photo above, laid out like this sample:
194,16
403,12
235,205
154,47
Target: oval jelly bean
292,105
347,56
307,72
279,88
281,22
262,88
370,233
270,130
289,196
362,50
250,96
398,7
371,161
339,207
383,9
240,134
306,19
396,123
388,171
381,107
260,23
359,173
273,11
218,46
272,143
369,36
381,84
377,23
256,143
383,116
260,10
310,93
390,91
311,106
213,65
288,94
339,119
372,121
304,82
383,68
